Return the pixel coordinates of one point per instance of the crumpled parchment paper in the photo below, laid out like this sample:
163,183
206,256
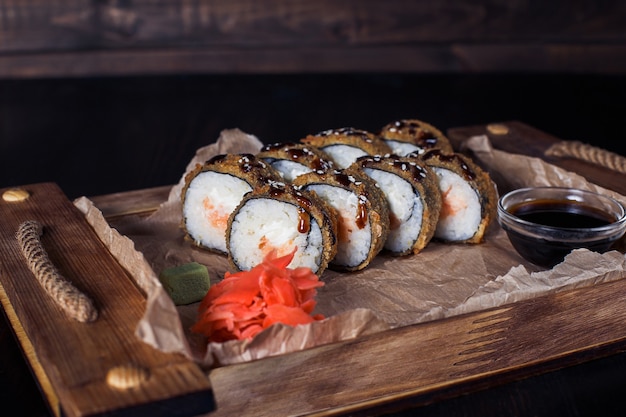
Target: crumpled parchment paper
442,281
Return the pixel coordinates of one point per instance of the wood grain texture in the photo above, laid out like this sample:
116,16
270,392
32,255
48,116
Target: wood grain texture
414,361
74,38
75,357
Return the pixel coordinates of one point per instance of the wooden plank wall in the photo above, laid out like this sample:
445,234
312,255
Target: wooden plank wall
73,38
86,85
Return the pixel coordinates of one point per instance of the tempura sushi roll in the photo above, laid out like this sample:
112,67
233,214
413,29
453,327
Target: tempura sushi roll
213,190
469,197
293,159
283,219
414,199
414,136
362,214
346,144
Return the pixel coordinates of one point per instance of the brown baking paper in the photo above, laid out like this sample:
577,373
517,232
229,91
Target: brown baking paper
442,281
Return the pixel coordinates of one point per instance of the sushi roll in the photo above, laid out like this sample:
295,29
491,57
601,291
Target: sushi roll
414,199
346,144
213,190
362,214
469,197
293,159
283,219
412,135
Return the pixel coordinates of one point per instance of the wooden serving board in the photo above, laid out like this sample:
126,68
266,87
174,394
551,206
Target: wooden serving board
72,359
392,370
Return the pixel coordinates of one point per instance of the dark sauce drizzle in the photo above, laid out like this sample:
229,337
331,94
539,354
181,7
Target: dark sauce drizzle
417,172
361,213
304,218
296,153
419,133
468,173
278,189
348,131
247,162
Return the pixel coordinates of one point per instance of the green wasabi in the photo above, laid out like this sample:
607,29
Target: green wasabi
186,283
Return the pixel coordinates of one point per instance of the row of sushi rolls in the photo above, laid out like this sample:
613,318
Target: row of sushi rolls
337,198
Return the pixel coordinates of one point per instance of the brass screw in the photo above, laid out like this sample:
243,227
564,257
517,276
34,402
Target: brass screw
497,129
127,376
15,195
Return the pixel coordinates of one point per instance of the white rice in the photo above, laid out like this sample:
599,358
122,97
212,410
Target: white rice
263,224
343,155
353,244
403,148
289,170
405,205
461,210
210,198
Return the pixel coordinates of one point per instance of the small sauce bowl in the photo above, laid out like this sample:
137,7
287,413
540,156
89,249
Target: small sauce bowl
544,224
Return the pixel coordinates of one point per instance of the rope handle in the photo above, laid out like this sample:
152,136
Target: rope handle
75,304
585,152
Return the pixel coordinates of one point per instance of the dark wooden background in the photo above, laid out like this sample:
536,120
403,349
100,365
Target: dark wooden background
105,96
121,37
102,135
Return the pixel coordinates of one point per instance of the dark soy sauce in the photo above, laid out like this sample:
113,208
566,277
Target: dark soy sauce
561,214
565,214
